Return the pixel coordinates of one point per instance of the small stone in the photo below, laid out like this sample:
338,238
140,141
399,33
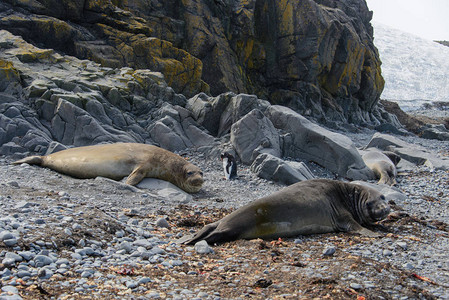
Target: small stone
76,256
8,262
202,295
131,284
14,256
24,204
402,245
45,273
10,242
42,260
61,261
157,250
202,247
387,252
355,286
142,243
176,263
162,223
126,246
329,251
6,235
88,251
10,289
14,184
143,280
68,219
86,274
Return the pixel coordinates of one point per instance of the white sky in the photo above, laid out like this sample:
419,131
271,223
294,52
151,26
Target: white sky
426,18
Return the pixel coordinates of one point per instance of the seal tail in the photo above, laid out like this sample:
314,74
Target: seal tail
31,160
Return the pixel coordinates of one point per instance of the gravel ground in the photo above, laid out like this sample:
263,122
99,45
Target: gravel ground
66,238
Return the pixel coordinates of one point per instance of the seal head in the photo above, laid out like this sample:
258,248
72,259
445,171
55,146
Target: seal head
193,179
369,205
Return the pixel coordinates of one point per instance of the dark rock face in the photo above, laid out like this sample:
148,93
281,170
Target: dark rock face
316,56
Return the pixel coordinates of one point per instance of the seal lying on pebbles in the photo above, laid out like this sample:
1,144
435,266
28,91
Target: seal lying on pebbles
119,160
383,164
307,207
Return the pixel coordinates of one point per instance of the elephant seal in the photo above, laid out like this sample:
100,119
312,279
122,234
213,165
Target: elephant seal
383,164
307,207
119,160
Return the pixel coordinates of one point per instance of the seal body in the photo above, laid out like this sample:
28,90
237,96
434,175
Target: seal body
383,165
307,207
229,165
119,160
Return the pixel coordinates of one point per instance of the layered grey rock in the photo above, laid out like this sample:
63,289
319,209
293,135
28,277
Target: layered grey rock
217,114
78,103
409,152
436,132
306,140
254,134
273,168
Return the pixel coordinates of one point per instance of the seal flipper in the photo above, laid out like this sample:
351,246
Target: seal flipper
203,234
136,176
366,232
350,225
32,160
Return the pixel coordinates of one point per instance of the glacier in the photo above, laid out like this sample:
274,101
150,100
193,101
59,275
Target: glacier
416,70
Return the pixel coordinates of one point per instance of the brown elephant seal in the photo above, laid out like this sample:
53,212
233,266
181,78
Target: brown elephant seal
383,164
307,207
119,160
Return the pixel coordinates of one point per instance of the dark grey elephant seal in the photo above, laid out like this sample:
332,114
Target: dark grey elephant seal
307,207
119,160
383,164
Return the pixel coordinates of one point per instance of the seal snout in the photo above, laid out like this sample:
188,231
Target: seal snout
194,180
380,210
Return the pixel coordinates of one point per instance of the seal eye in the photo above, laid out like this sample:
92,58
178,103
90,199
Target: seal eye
190,173
382,197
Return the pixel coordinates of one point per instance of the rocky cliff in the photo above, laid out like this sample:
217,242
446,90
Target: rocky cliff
316,57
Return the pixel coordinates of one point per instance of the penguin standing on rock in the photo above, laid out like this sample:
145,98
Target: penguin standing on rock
229,165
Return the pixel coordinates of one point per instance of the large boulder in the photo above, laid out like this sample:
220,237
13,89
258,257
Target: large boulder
176,130
254,134
306,140
435,132
273,168
408,152
217,114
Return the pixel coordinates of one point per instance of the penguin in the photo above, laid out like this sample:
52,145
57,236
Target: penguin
229,165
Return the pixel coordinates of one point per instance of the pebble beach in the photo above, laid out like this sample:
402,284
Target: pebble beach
66,238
